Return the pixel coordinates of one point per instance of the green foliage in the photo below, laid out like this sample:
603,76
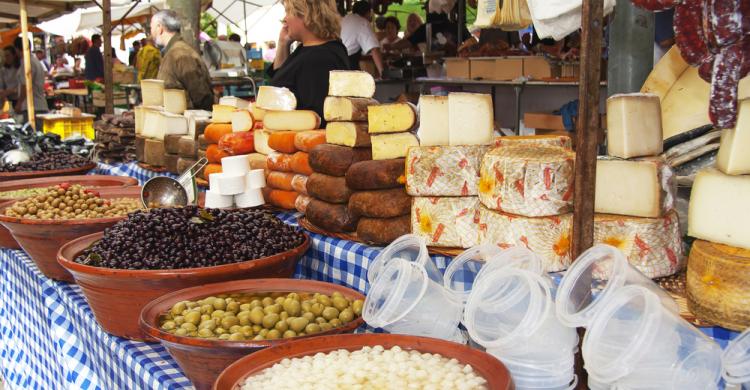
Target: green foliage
402,11
208,25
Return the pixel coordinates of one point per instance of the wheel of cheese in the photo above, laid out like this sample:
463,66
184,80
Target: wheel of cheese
531,181
443,170
717,284
562,141
446,222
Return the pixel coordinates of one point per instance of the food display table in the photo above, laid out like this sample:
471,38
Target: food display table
49,338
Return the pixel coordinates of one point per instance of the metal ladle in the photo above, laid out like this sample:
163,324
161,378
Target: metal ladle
163,191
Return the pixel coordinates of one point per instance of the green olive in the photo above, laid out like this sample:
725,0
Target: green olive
306,305
284,315
189,326
346,315
320,320
247,331
220,331
309,315
245,307
340,303
205,333
275,308
193,317
281,326
335,322
217,314
298,324
256,316
336,295
317,308
179,320
237,337
257,328
289,334
244,318
233,307
324,300
259,338
224,336
292,307
229,321
219,304
181,332
270,320
263,332
178,308
207,309
210,324
256,303
279,300
205,317
267,301
169,325
330,313
312,328
293,295
325,327
235,329
357,307
273,334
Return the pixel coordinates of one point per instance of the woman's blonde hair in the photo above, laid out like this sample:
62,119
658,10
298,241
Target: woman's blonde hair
320,16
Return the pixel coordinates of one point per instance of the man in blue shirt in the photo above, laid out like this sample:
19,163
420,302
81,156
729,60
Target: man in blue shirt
94,59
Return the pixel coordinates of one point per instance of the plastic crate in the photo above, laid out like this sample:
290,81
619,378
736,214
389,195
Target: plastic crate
67,127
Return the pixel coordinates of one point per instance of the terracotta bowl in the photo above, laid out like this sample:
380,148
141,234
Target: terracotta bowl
96,181
497,376
41,239
117,296
5,176
203,360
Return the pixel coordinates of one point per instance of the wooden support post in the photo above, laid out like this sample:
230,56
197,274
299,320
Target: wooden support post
22,14
587,136
107,37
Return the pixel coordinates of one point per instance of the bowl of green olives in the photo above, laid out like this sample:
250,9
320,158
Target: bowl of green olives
209,327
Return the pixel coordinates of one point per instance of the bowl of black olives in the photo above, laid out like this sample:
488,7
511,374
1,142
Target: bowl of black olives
45,164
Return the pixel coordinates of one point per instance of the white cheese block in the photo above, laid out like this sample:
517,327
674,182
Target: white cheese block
734,152
161,124
298,120
228,183
388,146
391,118
634,125
235,102
351,83
443,170
175,101
275,98
433,121
250,198
719,208
140,113
222,113
152,92
149,117
239,165
337,108
255,179
471,119
548,237
533,181
197,114
215,200
446,222
258,113
350,134
242,120
640,188
260,138
70,111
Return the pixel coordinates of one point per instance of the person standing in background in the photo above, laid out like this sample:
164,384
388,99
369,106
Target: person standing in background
9,76
392,26
380,27
37,84
94,59
42,57
413,22
358,37
148,60
60,67
182,67
133,56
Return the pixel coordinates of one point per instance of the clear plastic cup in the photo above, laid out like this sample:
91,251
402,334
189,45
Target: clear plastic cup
466,269
635,342
575,301
736,359
408,247
536,382
403,299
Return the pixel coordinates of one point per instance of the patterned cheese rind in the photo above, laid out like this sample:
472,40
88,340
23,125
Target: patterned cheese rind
531,181
548,237
446,222
562,141
653,245
443,170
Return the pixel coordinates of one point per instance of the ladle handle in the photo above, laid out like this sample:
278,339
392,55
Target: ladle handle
193,170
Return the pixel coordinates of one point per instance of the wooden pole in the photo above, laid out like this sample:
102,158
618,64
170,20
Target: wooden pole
27,64
107,37
587,137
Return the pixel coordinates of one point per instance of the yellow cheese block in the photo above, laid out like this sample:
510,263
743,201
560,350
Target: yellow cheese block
719,208
634,125
642,187
175,101
433,121
275,98
388,146
221,113
391,118
562,141
152,92
352,134
734,155
717,284
337,108
297,120
351,83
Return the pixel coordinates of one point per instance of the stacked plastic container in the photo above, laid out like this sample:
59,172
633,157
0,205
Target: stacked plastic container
635,338
736,360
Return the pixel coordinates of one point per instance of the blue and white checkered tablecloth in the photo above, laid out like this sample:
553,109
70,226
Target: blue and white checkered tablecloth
131,169
49,338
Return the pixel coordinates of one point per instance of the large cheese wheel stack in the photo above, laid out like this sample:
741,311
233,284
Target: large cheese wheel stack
230,133
159,124
719,265
347,143
237,185
635,189
286,138
442,174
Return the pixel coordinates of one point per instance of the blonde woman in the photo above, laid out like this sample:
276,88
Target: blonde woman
316,25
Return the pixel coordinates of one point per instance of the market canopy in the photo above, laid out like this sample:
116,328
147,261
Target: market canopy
87,19
38,10
234,12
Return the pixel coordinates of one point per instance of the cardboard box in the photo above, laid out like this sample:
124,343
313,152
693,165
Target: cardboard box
537,68
549,121
457,68
496,68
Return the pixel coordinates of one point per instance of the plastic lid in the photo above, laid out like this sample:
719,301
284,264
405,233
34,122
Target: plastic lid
395,293
620,332
736,359
506,307
700,370
408,247
461,273
575,304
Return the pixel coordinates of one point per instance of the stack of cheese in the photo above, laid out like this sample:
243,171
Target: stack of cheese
286,138
719,266
443,173
230,133
348,142
188,146
635,188
237,185
160,117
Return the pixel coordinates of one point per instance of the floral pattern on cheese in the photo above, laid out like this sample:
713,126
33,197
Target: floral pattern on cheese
443,170
446,222
549,237
531,181
562,141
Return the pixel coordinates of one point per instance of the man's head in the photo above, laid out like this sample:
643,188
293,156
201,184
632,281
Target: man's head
60,60
11,58
363,9
96,40
234,38
136,45
165,24
40,54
